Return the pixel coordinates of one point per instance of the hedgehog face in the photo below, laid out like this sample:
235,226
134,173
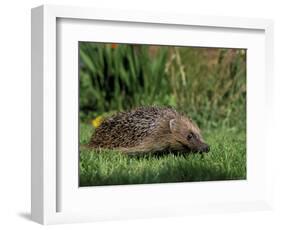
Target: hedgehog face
186,136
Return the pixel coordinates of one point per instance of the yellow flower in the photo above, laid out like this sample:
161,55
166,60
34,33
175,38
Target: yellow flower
97,121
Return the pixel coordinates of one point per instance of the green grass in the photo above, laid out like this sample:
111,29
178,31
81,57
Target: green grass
225,161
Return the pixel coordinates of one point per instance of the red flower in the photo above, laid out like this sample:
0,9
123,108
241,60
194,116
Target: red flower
113,45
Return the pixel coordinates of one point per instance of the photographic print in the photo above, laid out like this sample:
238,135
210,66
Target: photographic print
161,114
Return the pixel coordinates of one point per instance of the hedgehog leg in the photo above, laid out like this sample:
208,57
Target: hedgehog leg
133,151
141,150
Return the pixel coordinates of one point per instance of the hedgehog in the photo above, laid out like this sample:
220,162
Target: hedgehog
148,130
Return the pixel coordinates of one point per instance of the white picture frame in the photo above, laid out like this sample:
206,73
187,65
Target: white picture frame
56,199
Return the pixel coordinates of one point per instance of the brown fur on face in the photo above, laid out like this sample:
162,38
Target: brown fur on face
149,130
186,135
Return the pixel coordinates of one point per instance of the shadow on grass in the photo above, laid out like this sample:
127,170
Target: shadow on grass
163,154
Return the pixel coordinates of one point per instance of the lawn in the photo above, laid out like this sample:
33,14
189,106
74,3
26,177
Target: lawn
225,161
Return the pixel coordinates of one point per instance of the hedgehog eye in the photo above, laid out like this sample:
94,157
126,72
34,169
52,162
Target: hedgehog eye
189,136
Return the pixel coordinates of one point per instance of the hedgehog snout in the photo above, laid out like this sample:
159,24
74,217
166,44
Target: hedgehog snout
204,148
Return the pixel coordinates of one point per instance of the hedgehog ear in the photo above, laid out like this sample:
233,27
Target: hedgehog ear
173,125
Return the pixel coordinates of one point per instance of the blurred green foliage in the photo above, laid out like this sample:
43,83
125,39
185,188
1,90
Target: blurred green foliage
208,84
